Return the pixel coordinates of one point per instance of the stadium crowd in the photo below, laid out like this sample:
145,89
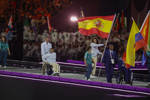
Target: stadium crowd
68,45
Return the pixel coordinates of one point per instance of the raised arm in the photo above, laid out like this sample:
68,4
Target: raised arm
100,53
96,45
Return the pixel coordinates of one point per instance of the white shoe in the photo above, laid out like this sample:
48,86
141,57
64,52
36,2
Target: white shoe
85,78
0,66
5,66
92,76
89,80
54,74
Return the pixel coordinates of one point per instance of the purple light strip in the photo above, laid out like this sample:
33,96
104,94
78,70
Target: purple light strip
137,63
128,96
82,65
81,82
76,84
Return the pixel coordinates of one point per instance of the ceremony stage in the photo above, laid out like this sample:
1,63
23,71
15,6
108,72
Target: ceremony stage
27,83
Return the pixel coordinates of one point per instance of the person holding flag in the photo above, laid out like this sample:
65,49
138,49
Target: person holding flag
100,25
145,31
110,59
135,42
94,45
148,64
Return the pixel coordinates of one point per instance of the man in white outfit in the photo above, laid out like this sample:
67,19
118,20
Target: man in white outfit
95,53
45,47
50,58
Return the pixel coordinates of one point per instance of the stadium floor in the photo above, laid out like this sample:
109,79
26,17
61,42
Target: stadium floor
69,75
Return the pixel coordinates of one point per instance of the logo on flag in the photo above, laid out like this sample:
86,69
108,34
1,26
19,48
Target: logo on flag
99,24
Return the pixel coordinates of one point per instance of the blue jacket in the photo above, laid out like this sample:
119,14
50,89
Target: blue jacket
148,57
107,57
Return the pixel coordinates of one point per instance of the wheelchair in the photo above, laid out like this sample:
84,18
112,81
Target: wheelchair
122,76
49,69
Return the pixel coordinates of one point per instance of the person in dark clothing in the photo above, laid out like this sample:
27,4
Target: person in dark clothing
148,64
88,62
123,73
4,51
110,58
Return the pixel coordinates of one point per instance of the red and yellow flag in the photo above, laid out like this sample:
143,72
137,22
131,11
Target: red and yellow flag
100,25
145,30
48,22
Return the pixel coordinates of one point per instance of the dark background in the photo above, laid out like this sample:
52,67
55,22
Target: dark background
61,20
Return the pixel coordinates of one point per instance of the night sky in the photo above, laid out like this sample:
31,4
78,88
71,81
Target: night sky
61,21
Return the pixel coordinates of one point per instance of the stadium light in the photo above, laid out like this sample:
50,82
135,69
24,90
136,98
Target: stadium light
73,18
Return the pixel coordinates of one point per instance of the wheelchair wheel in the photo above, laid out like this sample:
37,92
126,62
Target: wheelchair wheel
131,81
49,69
120,78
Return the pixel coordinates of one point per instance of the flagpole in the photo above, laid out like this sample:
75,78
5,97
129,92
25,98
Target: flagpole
107,42
82,14
144,20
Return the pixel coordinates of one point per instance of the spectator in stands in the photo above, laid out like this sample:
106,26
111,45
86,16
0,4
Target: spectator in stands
94,45
110,58
88,62
4,51
50,58
45,47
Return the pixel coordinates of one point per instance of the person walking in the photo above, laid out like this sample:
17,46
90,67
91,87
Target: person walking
4,51
88,62
94,45
148,65
110,58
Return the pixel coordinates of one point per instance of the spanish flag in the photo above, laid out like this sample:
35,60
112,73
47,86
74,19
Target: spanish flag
100,25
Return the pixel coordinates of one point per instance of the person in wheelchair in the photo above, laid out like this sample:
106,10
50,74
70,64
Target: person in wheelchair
124,74
50,59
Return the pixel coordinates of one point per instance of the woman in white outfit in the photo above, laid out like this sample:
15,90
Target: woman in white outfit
95,51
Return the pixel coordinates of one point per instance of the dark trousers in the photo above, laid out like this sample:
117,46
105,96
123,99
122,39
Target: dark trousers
128,75
148,66
89,71
3,57
125,72
109,72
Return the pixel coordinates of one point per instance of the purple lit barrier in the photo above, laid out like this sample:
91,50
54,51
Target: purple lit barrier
76,82
99,65
80,62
